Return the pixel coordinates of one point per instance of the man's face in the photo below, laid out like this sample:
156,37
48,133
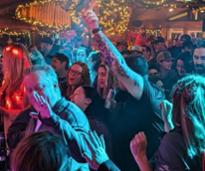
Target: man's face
81,55
38,83
57,65
199,60
45,48
159,46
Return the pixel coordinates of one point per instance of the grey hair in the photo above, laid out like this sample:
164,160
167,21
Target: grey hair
47,69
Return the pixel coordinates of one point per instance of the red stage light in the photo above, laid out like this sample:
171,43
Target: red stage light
8,48
15,51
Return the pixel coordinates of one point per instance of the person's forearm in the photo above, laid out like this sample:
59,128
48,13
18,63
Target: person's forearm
143,164
61,126
131,80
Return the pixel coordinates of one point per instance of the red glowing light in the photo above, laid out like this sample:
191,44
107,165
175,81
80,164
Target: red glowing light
8,48
15,51
8,104
17,98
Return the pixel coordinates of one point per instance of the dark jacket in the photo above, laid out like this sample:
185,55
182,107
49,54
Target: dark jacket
65,113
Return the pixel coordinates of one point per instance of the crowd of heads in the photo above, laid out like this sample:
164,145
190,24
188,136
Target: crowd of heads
84,77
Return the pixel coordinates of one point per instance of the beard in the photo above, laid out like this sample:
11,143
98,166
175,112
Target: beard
200,69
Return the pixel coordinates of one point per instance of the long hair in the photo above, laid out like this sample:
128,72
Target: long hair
109,82
189,112
41,151
85,78
15,61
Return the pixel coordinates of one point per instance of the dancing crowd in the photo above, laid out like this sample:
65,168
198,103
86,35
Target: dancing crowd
104,107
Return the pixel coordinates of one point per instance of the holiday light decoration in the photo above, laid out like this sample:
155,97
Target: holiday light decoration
44,13
7,31
114,16
154,2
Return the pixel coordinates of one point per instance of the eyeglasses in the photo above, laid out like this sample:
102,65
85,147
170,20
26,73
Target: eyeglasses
73,72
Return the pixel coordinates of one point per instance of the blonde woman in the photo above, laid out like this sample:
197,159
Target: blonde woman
12,96
183,147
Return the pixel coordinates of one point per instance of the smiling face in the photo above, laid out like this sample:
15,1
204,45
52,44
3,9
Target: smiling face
79,98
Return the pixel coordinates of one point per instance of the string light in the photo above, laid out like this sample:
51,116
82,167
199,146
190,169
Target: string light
9,32
34,13
155,32
154,2
114,16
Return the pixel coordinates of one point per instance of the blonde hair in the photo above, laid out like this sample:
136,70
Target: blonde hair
15,61
189,112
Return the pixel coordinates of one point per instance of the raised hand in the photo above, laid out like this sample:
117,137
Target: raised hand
138,146
41,105
90,19
166,111
97,147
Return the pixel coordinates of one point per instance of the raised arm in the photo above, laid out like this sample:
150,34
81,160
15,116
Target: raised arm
138,147
132,81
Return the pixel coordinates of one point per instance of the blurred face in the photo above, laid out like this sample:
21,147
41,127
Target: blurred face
75,75
180,67
38,83
159,46
153,72
199,60
146,53
166,64
102,77
78,97
122,47
45,48
58,65
81,55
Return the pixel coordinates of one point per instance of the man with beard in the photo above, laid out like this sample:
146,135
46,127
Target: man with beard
199,59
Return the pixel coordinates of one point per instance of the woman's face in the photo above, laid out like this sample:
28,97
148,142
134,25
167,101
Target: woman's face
102,77
75,75
180,67
166,64
78,97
